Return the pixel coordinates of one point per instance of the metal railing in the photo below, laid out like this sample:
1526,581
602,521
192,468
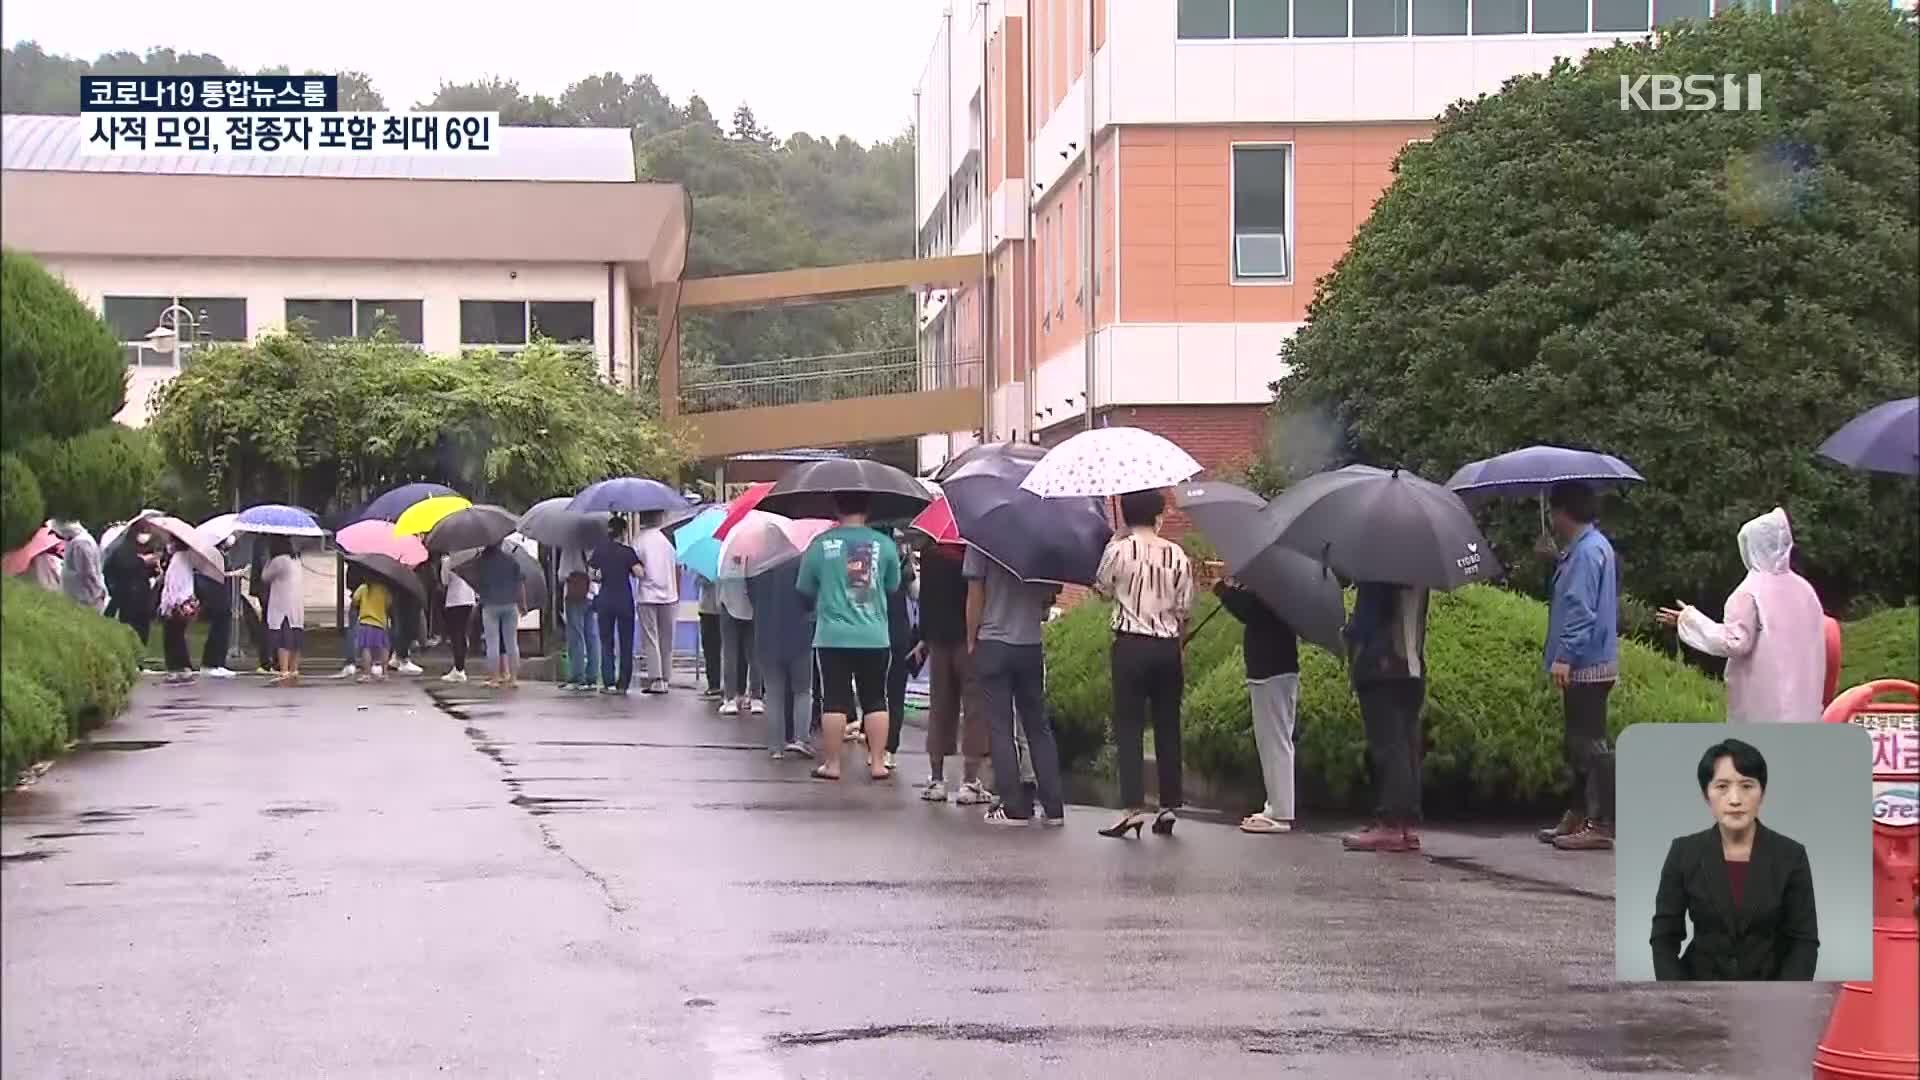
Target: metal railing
826,378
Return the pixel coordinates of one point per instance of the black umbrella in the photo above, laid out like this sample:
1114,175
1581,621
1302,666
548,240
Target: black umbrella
389,506
393,571
467,565
1036,539
993,456
472,527
1374,525
808,490
550,522
1295,585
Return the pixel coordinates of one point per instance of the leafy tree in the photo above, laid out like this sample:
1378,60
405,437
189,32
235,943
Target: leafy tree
502,96
1707,294
611,100
324,424
60,363
21,508
746,128
105,474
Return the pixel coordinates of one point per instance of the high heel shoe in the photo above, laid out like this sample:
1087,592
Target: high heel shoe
1119,828
1163,824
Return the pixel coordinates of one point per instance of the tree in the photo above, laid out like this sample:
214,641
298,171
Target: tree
502,96
746,128
324,424
609,100
22,510
104,474
61,365
1707,294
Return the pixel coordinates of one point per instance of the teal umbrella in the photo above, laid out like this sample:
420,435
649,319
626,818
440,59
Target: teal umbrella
695,545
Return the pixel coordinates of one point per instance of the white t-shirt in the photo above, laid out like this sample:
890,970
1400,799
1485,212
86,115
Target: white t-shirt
459,593
660,569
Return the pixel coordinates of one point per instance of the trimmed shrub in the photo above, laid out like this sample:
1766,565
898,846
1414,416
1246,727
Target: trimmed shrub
61,365
32,727
22,509
1492,719
98,476
1885,645
84,663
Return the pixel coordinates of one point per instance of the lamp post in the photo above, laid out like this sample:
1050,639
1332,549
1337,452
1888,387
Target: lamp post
165,339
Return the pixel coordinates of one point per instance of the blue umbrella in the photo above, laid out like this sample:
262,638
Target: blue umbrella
695,546
1058,541
1885,438
390,506
274,519
627,495
1535,469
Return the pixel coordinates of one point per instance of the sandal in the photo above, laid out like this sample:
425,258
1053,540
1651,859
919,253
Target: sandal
820,773
1261,823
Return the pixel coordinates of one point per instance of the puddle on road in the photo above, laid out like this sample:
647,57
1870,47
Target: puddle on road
90,884
1250,1040
65,835
292,810
29,856
120,745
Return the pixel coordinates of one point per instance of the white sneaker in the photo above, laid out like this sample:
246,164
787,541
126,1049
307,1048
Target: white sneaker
799,749
659,686
887,761
972,793
935,791
729,708
454,676
219,673
408,667
759,708
348,672
379,672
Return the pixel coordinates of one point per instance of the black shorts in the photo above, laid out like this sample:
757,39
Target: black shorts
290,638
853,677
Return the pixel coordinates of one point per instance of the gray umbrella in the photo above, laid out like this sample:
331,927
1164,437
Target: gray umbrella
472,527
551,523
1296,586
467,565
393,571
1374,525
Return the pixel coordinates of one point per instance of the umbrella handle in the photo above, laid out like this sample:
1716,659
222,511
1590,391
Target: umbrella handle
1203,625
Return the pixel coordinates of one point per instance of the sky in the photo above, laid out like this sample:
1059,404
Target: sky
827,67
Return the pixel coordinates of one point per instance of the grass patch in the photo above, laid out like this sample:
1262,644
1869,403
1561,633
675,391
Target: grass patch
1885,645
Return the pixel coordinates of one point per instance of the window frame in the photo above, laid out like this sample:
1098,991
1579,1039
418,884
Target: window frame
1293,34
526,325
175,300
1234,277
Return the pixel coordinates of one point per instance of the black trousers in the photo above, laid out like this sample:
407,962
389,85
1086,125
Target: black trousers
132,603
406,627
173,643
1589,756
219,635
616,639
710,649
257,627
458,626
1148,679
1013,689
896,699
1390,717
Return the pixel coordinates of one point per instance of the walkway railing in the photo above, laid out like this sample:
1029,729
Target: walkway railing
826,378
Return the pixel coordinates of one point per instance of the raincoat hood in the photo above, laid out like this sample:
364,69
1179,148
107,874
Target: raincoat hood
1766,543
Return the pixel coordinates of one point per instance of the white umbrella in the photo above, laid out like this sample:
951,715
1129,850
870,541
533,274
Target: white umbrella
219,528
1110,461
205,556
110,539
762,541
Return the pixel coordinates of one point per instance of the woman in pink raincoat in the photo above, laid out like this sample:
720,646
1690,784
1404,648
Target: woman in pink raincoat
1774,636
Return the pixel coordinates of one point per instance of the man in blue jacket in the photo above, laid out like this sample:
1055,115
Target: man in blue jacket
1583,660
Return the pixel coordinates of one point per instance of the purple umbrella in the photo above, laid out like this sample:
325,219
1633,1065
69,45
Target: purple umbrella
1535,469
390,506
627,495
274,519
1885,438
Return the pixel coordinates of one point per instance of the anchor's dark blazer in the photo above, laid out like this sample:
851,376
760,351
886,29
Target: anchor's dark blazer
1772,935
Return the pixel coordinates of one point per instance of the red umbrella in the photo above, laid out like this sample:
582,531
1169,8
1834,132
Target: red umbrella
936,522
376,537
20,558
737,509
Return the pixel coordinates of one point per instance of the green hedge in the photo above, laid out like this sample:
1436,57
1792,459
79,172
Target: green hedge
63,668
1885,645
22,508
1492,719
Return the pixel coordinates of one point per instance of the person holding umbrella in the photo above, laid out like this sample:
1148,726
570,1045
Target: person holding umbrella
847,573
457,619
1004,620
955,718
372,602
618,565
503,595
1583,659
659,600
903,634
1272,653
1150,581
285,580
178,606
583,639
1387,665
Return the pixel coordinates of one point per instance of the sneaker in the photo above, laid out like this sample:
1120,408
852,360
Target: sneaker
972,793
1570,822
219,673
362,678
565,686
348,672
729,708
660,686
1054,822
758,708
1592,836
935,791
998,816
799,749
778,755
1381,838
887,761
711,693
379,672
408,667
454,677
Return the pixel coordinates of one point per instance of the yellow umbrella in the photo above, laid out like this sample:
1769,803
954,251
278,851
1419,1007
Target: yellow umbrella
421,517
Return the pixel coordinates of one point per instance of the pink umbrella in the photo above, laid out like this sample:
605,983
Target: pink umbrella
19,559
376,537
761,541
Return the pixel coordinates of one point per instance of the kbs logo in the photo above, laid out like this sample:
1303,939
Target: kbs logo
1693,93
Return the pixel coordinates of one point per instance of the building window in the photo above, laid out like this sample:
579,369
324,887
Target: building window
1262,241
211,318
1080,232
1205,19
515,322
1060,253
1260,18
1559,16
1439,18
1319,18
1618,15
329,319
565,321
325,319
1666,11
1499,16
1379,18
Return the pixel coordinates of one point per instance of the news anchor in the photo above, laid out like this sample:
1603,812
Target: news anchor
1748,889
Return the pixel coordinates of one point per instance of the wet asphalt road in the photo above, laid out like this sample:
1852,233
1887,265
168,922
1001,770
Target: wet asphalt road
345,881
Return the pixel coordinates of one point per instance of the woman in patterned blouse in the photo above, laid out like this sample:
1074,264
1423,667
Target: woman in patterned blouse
1150,582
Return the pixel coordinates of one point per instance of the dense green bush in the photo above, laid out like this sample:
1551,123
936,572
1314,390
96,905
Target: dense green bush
1492,719
56,654
61,366
97,476
1885,645
22,508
